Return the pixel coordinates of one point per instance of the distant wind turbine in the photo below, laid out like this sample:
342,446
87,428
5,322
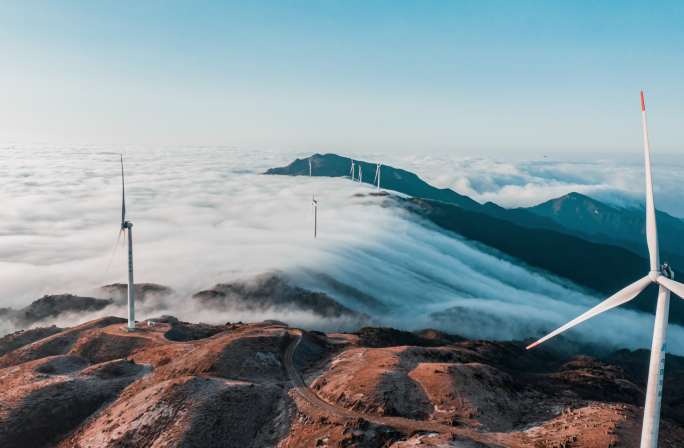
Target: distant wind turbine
660,275
128,226
351,171
314,203
377,176
360,173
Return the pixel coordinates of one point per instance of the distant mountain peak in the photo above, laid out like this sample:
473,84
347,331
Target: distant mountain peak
573,195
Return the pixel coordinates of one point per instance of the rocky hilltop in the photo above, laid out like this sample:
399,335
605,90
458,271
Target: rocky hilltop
173,383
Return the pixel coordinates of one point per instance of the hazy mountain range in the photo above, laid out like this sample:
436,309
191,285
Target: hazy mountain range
595,245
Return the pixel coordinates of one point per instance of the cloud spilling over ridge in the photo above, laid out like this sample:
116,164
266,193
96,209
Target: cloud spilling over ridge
618,180
204,216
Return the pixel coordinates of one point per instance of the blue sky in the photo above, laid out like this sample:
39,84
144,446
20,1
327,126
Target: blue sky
468,77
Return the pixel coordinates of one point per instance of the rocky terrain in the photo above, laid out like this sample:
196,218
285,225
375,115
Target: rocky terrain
173,383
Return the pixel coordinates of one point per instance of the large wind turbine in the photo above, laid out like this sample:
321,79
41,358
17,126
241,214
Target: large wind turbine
351,171
377,176
660,275
128,226
360,173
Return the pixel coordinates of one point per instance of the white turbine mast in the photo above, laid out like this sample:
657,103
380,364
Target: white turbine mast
377,175
314,204
660,275
310,170
127,227
360,173
351,171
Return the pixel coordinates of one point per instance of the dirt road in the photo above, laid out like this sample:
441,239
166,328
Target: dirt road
405,425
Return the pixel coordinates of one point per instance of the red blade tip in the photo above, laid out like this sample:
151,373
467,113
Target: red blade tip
643,103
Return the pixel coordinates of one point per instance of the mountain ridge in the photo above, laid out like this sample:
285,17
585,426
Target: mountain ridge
601,265
623,226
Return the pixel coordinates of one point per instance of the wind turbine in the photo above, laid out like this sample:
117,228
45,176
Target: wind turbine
310,167
660,275
314,203
360,173
377,176
351,171
128,226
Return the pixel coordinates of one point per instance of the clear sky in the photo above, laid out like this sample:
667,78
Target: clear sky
423,76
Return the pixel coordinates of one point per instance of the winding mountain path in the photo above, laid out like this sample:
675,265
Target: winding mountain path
405,425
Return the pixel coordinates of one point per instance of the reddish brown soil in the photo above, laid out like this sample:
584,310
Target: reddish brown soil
268,385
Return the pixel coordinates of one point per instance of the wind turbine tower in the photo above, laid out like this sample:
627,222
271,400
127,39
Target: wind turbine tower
377,176
360,173
314,203
658,274
127,227
351,171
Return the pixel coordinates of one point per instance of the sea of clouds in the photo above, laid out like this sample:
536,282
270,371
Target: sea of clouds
616,179
207,215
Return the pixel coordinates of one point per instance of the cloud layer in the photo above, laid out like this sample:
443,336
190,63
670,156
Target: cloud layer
204,215
618,180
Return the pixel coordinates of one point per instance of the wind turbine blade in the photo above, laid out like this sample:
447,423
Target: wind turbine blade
111,257
673,286
617,299
651,230
123,194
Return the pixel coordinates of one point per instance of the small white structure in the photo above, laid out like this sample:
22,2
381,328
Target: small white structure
377,176
314,204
